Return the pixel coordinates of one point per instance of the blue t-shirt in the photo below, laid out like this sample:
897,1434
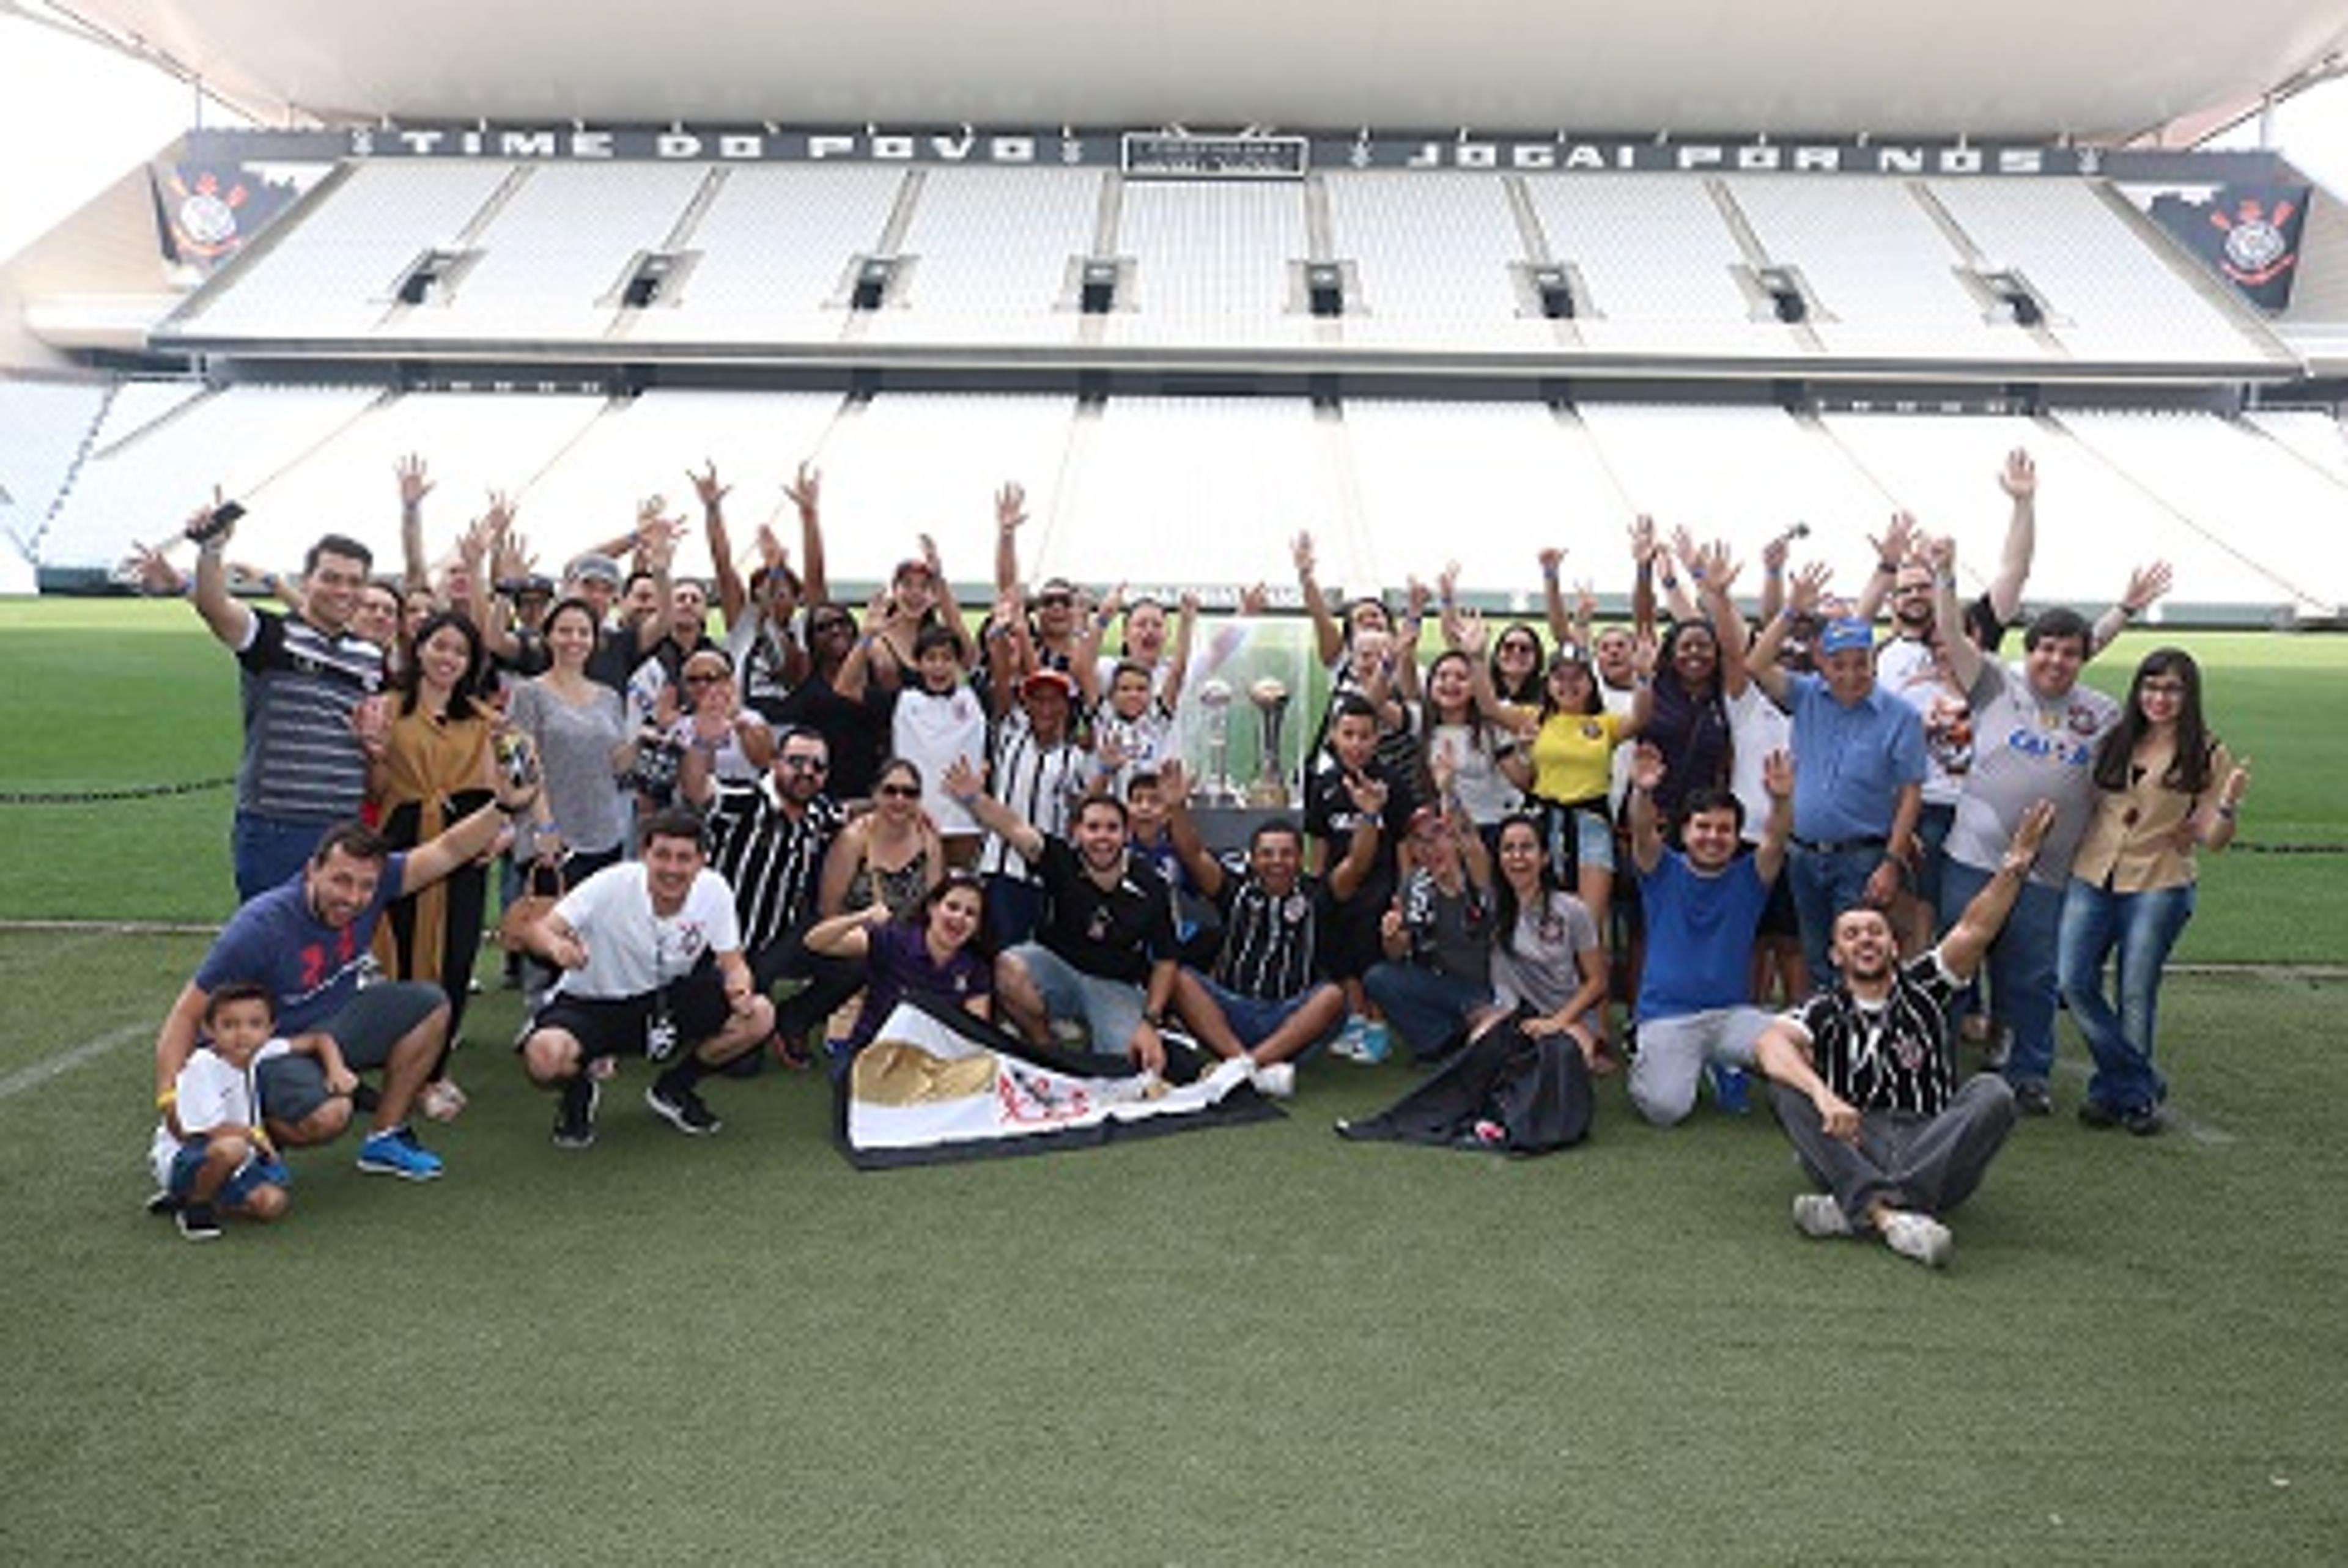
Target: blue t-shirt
1850,761
310,968
1699,936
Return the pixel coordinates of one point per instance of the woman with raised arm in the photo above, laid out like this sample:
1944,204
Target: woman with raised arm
840,701
937,952
2166,789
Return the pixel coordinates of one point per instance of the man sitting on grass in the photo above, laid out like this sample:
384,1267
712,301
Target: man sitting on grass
305,942
1864,1074
650,955
209,1151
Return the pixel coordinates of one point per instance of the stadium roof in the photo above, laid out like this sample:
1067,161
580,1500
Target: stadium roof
2099,69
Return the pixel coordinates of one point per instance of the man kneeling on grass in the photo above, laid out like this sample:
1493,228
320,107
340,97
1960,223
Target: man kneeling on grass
211,1153
305,942
1864,1074
650,956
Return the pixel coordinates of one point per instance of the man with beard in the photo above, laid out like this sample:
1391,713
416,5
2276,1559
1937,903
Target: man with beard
2035,732
1864,1075
768,840
1103,952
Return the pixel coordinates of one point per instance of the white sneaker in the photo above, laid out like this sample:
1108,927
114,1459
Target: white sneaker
1347,1044
1230,1073
1818,1214
1919,1236
1277,1079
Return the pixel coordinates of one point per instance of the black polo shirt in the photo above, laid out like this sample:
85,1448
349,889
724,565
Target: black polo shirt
1112,933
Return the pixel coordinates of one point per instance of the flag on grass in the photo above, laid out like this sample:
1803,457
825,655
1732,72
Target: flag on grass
935,1086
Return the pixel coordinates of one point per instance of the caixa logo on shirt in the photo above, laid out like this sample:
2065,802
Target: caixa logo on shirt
2055,748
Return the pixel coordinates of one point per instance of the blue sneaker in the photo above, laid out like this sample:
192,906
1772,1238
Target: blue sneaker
1375,1044
398,1153
1731,1089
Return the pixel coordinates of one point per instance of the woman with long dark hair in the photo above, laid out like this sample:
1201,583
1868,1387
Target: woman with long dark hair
1548,967
937,951
434,770
2166,788
1689,722
1516,665
840,701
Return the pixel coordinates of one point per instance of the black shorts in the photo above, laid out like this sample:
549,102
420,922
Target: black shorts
617,1026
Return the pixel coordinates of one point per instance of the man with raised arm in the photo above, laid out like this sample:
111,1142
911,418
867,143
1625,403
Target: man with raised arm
2035,730
1103,953
307,941
1268,997
310,721
1703,906
1864,1075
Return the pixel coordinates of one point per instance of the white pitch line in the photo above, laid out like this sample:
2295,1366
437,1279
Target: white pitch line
2176,1120
30,1078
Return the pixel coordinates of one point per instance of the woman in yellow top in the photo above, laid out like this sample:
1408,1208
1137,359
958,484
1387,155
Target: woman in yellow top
2165,788
1572,741
434,768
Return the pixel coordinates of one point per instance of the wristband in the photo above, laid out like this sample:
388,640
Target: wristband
2130,611
1886,569
1670,581
169,1097
2227,812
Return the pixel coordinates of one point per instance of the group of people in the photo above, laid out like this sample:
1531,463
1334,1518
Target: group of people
1706,845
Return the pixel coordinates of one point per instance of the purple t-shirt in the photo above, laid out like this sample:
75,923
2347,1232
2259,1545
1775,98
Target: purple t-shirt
898,965
311,968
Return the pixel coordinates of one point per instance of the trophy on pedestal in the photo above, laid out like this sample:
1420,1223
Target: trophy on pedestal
1215,789
1269,789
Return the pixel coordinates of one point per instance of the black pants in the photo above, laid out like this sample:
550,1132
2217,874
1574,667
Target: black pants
829,983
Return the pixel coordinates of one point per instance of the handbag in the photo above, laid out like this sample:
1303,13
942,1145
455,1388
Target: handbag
541,887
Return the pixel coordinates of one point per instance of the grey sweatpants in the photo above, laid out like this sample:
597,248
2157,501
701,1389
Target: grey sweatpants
1927,1163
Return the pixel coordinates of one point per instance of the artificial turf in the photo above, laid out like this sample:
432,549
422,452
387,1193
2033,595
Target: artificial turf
1258,1344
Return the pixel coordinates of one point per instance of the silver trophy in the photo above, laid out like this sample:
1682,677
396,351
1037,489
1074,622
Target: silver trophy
1215,789
1269,790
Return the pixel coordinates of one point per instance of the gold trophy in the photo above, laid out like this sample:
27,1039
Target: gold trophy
1269,789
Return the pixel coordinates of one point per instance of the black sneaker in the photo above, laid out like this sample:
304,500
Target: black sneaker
2094,1113
2144,1124
682,1108
163,1201
198,1222
2032,1100
574,1113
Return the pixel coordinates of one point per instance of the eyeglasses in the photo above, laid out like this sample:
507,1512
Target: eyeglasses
800,764
831,623
1054,600
899,792
2162,688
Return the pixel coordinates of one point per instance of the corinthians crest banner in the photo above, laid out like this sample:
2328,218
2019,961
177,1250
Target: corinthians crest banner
2246,234
206,211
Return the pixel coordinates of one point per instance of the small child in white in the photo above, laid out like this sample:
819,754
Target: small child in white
211,1153
938,722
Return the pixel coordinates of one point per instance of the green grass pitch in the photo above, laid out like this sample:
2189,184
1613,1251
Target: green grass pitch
1253,1346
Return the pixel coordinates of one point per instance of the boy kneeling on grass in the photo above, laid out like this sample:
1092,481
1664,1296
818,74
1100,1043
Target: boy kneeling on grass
211,1153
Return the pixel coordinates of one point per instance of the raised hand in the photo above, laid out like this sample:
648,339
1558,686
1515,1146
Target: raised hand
1010,507
1299,550
1551,559
414,484
1777,774
2146,585
805,490
1368,795
1896,541
2019,477
1647,767
705,485
1809,587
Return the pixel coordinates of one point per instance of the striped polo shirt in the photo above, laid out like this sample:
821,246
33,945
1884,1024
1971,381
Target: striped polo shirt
303,761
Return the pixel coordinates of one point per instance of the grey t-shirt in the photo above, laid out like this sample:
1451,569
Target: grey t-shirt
1544,970
574,757
2028,748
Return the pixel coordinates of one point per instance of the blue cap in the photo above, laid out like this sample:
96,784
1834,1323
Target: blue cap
1841,635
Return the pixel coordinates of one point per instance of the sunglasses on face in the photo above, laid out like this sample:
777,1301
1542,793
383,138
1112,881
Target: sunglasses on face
1055,601
822,627
899,792
807,764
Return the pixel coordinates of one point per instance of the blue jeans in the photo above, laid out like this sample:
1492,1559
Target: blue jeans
2141,928
2021,966
270,850
1825,884
1426,1006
